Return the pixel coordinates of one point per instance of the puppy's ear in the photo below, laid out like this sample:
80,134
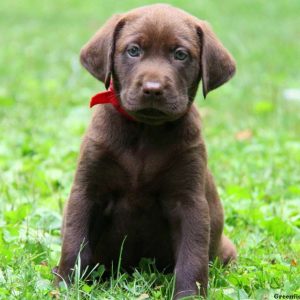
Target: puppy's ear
97,55
217,65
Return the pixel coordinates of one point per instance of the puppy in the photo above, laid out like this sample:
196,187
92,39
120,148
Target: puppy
142,176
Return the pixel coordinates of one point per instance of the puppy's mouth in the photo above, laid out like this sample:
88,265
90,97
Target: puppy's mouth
154,112
151,116
150,113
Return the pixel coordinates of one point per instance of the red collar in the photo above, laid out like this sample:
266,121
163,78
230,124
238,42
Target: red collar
109,96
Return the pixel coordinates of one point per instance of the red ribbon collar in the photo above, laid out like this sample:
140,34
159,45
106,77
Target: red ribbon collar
109,96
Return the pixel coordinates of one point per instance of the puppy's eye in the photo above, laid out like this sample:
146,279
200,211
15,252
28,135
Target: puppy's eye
134,51
180,54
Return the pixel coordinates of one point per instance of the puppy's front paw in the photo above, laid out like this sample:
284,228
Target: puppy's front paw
186,295
58,278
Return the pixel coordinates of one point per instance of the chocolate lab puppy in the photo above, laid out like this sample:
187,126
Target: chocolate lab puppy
142,175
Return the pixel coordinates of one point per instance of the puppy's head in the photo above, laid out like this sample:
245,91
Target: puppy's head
157,55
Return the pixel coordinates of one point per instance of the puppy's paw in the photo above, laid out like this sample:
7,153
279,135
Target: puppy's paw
227,252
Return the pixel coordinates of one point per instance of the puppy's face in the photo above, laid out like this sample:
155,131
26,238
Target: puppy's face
157,55
157,68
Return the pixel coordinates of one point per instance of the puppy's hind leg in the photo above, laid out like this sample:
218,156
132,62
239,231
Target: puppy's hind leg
220,245
227,251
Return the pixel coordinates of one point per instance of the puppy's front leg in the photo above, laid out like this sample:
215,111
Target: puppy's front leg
75,234
191,240
79,209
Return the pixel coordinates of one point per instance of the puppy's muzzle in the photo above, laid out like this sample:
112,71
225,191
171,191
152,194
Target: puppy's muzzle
152,100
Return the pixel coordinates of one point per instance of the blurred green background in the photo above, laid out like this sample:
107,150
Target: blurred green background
251,125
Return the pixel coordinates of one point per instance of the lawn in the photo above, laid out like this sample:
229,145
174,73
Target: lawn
252,133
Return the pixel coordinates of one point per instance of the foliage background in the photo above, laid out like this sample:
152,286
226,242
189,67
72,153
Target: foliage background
252,133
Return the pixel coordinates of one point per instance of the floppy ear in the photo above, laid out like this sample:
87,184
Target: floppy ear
217,65
97,55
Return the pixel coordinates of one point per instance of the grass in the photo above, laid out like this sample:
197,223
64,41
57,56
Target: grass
252,134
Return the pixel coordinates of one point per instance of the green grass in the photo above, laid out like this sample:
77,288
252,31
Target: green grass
44,96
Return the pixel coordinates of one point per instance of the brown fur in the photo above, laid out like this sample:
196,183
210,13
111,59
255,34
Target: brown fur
148,180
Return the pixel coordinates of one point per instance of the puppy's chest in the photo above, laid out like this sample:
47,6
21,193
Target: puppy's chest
133,183
144,165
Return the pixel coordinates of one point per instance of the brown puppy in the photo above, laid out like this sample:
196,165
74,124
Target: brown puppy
147,179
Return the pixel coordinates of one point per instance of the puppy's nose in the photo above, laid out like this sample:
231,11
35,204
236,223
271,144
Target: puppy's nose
152,89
